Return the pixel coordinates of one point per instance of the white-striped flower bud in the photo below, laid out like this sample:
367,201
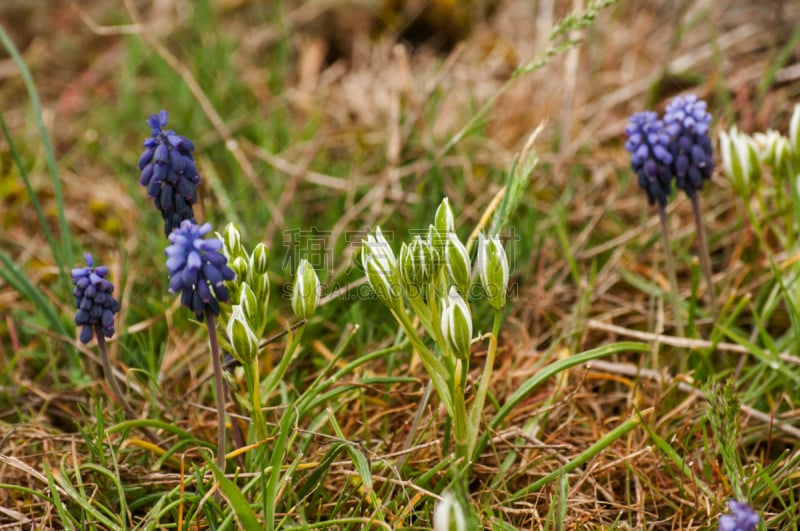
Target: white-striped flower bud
444,220
380,267
261,289
241,267
259,260
458,265
418,264
241,336
248,303
794,132
378,248
456,324
306,291
232,242
448,515
436,239
492,265
775,150
740,160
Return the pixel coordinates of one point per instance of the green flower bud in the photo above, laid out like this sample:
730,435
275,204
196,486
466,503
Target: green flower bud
794,132
380,266
385,283
259,260
261,290
249,303
492,267
241,336
306,291
241,267
740,160
775,150
378,248
418,264
444,220
458,265
232,242
456,324
436,239
448,515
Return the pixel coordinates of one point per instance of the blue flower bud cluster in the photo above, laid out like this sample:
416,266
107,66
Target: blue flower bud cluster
169,173
687,122
677,146
94,301
651,159
197,268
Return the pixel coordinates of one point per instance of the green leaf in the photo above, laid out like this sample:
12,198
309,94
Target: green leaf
241,508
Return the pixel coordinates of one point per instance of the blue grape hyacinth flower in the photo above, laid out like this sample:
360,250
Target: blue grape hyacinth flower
648,144
169,173
94,300
197,268
744,518
687,123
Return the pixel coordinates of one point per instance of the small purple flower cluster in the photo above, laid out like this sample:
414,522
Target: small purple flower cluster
648,144
197,267
677,146
743,518
94,300
687,122
169,173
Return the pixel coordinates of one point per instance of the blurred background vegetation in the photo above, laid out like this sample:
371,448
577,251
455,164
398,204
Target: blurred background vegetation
333,117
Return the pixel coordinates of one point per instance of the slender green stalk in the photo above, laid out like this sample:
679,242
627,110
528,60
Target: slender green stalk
117,391
705,258
258,415
483,386
461,434
219,383
276,376
433,366
601,444
669,262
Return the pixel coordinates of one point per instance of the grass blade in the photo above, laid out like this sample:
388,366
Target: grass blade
241,509
64,257
12,274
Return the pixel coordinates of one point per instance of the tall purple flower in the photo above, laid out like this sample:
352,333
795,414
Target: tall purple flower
94,300
197,268
169,173
687,123
744,518
648,144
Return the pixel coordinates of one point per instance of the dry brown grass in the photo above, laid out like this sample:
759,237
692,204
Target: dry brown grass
373,95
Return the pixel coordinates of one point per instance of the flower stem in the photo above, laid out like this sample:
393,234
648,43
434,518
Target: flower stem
483,385
434,367
258,415
115,389
670,265
213,344
705,259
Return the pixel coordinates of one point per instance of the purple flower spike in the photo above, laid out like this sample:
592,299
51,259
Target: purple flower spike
169,173
687,123
197,269
93,300
648,144
744,518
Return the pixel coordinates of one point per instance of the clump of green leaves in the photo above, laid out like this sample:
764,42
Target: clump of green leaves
431,281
